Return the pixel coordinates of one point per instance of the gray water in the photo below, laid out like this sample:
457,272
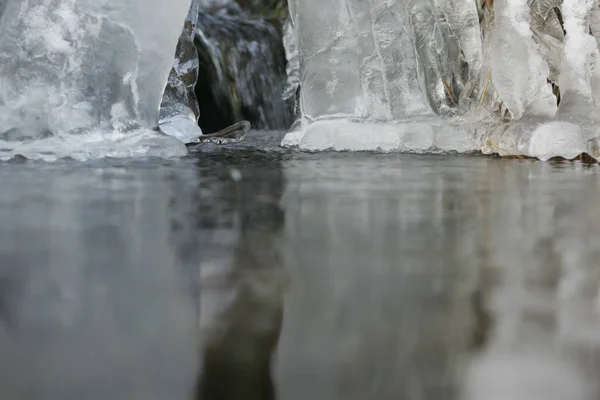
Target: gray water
237,273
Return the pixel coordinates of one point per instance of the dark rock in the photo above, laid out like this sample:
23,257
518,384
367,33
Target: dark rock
265,8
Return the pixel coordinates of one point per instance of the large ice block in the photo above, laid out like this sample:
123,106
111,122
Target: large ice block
437,75
75,67
380,69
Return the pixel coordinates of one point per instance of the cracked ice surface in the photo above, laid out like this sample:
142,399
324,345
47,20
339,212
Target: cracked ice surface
448,75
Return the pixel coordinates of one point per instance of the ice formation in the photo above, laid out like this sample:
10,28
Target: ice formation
85,78
503,76
179,109
293,61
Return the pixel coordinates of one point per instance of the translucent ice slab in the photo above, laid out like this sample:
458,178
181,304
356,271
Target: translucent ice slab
448,75
73,73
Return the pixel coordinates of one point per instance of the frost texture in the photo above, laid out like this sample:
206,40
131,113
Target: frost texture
74,73
503,74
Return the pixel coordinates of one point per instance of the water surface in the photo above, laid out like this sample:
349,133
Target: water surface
244,274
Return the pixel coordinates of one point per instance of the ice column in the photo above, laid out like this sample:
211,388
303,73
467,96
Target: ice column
373,75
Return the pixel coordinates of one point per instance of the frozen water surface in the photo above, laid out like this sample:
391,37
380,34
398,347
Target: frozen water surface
271,274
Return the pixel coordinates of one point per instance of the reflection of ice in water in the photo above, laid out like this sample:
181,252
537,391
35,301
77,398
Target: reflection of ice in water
546,341
529,355
538,341
95,304
380,297
383,273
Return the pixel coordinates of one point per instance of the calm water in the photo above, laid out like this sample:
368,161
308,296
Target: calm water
240,274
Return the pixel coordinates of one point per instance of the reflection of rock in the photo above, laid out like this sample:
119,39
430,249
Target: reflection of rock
239,342
242,73
241,296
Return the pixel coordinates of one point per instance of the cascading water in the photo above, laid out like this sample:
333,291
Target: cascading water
242,70
447,75
84,78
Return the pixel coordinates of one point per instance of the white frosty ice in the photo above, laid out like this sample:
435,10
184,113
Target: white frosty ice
77,72
519,72
452,74
574,128
421,135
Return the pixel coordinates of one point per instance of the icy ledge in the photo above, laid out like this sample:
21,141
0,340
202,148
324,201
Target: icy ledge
574,130
543,140
96,145
534,137
427,135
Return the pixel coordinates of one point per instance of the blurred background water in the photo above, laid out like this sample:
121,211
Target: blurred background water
256,273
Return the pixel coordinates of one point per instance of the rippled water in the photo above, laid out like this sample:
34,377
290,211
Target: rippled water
237,273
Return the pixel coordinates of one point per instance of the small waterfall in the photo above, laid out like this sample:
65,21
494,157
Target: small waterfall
242,70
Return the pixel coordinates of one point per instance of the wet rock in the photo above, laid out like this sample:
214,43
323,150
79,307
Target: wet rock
265,8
